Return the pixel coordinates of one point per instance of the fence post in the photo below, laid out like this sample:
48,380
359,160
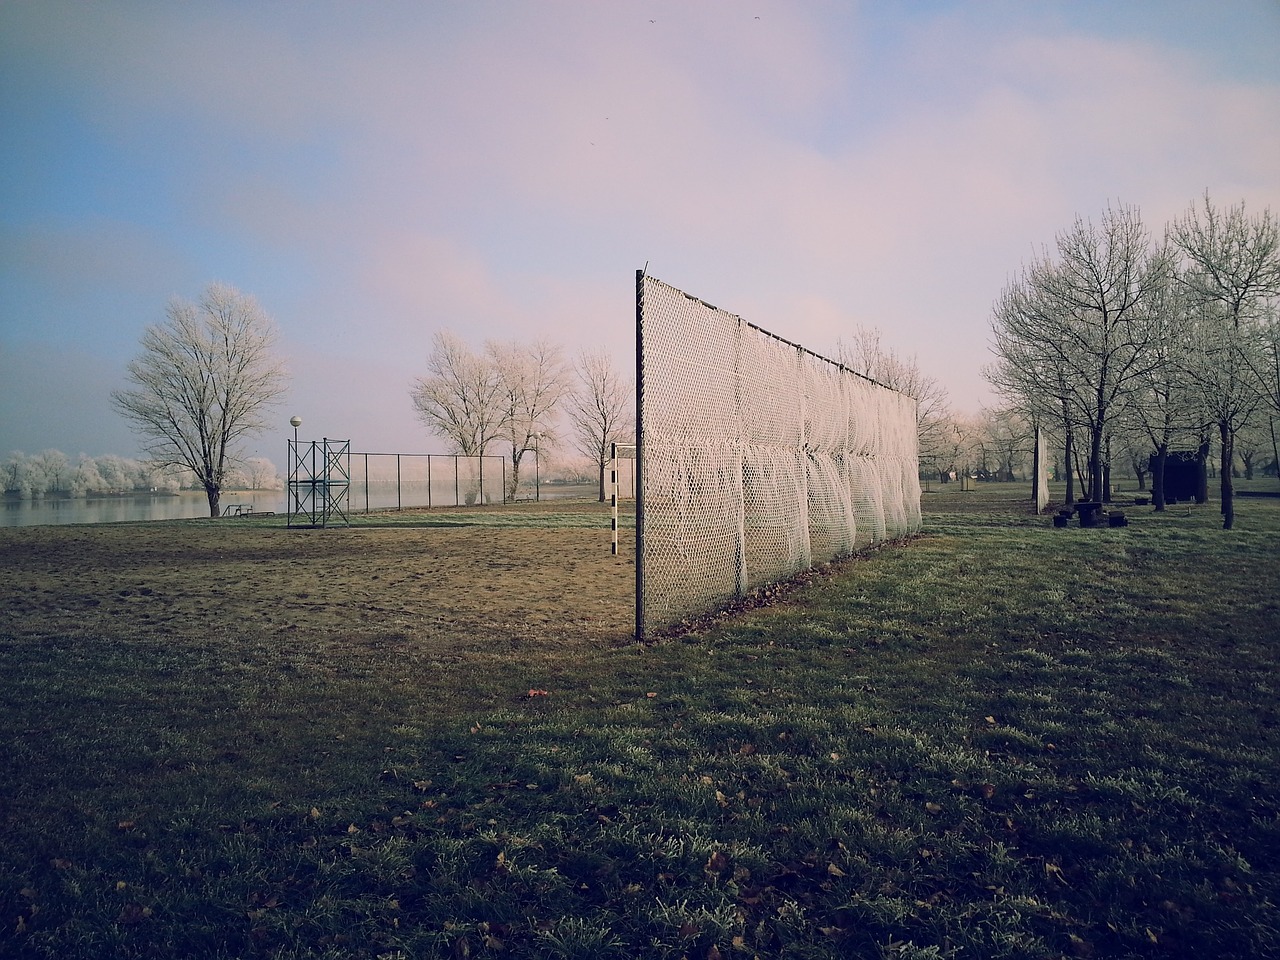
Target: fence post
640,440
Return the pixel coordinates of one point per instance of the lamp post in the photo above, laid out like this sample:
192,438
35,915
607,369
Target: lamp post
297,422
537,469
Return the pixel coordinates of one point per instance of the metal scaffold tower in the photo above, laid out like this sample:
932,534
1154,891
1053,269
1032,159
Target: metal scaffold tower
319,482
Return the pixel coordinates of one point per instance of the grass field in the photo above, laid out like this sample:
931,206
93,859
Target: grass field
415,738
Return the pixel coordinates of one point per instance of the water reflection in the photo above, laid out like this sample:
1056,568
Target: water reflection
188,504
191,504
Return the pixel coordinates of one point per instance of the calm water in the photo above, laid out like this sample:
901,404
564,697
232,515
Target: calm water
190,503
25,513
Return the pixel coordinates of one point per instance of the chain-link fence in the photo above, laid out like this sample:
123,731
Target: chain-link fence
398,481
757,458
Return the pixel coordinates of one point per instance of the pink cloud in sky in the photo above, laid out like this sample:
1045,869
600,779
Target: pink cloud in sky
374,173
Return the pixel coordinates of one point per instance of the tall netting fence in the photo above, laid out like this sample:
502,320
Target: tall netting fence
757,458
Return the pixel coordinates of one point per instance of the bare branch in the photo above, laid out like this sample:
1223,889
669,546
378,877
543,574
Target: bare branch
203,382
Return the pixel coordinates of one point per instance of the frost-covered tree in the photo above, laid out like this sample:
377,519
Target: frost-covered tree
509,392
460,398
601,410
865,353
534,380
1231,275
203,383
1076,325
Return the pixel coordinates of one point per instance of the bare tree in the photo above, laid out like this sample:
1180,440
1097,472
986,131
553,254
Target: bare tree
204,382
1271,379
86,478
18,475
259,473
1010,436
509,392
866,354
1232,276
1029,371
1253,445
55,467
461,397
601,411
1163,407
1081,323
533,380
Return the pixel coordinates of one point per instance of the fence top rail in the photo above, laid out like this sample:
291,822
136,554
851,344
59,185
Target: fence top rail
451,456
768,333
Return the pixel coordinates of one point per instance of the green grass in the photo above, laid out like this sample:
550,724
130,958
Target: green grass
999,740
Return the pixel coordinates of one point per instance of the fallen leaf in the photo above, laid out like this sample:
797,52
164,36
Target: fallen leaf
133,913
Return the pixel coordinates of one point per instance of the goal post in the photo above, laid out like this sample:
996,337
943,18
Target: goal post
756,458
617,453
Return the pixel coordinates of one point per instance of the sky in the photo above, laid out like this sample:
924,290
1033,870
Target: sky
375,172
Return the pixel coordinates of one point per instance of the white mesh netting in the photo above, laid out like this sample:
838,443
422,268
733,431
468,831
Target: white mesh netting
758,458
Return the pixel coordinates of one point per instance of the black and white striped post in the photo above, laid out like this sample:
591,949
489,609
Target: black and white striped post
613,493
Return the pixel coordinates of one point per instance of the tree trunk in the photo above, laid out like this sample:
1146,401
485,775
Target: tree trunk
514,482
1139,471
1157,475
1275,446
603,467
1035,466
1095,465
1202,481
214,493
1228,485
1070,470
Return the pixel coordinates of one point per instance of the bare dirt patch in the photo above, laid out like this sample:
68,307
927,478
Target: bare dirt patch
455,589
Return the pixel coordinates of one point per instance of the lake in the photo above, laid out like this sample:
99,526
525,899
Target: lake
189,503
193,503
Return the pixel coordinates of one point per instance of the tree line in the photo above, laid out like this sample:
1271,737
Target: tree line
1115,340
52,473
525,398
206,377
